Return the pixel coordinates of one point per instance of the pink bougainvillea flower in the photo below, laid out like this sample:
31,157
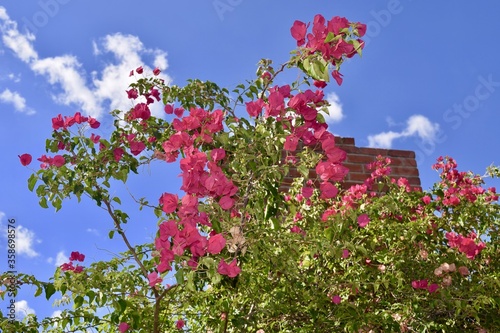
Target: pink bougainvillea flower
426,199
232,270
139,70
141,111
297,230
433,288
328,190
215,244
420,284
154,279
217,154
132,93
338,77
254,108
169,109
76,256
79,119
57,122
94,123
118,153
361,27
320,84
169,202
291,143
179,324
123,327
95,138
58,161
179,112
156,71
226,202
363,220
336,299
67,267
25,159
345,253
298,31
307,191
137,147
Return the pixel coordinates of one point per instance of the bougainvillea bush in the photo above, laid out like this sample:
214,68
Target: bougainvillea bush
233,252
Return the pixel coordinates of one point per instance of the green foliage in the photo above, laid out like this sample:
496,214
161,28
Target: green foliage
307,264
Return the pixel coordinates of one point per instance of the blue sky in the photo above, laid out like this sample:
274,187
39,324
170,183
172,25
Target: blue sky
428,81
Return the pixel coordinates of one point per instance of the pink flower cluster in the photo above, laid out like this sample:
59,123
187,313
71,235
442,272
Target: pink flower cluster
466,245
424,284
68,121
75,256
459,186
202,177
335,47
304,106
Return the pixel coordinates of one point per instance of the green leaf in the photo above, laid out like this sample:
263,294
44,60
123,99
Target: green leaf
91,295
49,290
78,301
38,291
32,182
329,37
179,276
57,203
43,202
357,47
123,305
117,200
111,234
329,233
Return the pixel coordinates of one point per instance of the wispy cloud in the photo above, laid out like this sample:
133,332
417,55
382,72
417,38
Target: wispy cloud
61,258
23,309
335,109
92,93
416,126
93,231
16,100
25,240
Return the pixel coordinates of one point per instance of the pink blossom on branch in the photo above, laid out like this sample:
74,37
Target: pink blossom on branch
123,327
215,244
232,270
298,31
363,220
169,202
25,159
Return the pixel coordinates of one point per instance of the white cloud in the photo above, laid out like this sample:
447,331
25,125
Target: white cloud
93,231
61,258
16,100
417,125
25,239
14,77
23,309
56,314
65,71
106,90
127,51
335,109
20,43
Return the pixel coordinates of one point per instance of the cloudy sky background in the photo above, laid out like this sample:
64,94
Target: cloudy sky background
428,81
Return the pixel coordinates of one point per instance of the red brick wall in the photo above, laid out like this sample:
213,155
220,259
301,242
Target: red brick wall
403,164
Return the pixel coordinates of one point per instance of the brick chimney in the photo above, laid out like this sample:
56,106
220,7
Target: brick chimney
403,164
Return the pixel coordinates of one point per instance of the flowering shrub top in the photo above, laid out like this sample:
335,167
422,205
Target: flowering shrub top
377,257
